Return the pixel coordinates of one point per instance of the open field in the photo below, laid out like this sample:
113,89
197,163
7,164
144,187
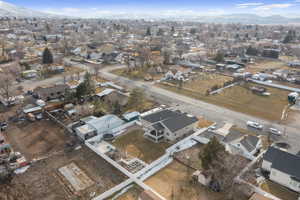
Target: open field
37,139
279,191
264,65
174,180
239,98
43,181
134,144
205,81
137,74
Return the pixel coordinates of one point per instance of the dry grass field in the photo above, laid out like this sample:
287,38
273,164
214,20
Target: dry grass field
136,145
240,98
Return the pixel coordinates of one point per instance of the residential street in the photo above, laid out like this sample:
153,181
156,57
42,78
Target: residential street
196,107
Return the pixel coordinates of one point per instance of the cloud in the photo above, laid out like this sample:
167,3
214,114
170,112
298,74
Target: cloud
273,6
97,12
246,5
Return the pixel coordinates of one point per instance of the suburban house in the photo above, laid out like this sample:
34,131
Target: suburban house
52,92
112,96
92,126
235,141
168,125
246,146
284,168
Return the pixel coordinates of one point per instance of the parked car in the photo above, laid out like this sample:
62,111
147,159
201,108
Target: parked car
275,131
255,125
3,126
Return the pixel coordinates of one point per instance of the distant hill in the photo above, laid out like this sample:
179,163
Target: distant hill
249,19
10,10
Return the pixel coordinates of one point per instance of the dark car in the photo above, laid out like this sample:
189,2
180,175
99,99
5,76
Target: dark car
3,126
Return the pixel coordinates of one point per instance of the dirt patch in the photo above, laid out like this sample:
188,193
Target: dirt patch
204,122
264,65
279,191
41,180
37,139
132,194
173,182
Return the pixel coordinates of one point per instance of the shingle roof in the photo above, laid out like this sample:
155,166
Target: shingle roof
284,161
159,116
173,120
250,142
179,122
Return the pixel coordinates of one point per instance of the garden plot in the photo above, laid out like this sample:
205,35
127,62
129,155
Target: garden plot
76,177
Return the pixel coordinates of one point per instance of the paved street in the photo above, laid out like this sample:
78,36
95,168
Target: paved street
196,107
209,111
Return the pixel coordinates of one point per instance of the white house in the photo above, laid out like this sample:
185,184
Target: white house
246,146
284,168
168,125
98,126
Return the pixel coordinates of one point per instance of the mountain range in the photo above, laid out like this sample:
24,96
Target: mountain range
10,10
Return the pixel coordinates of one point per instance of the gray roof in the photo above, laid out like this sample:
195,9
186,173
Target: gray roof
158,126
173,120
211,134
105,123
284,161
250,142
179,122
232,135
160,116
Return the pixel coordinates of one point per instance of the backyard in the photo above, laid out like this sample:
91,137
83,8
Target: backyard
279,191
134,143
173,182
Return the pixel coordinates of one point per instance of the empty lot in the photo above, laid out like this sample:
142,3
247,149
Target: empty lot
239,98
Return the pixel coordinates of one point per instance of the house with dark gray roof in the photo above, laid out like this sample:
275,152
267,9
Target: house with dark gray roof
284,168
246,146
168,125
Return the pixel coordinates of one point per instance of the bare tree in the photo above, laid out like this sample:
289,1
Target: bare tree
6,86
97,69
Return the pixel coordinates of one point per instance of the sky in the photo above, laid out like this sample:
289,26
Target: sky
94,8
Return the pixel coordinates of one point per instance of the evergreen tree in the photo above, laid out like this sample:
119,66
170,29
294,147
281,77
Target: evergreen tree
148,33
47,56
219,57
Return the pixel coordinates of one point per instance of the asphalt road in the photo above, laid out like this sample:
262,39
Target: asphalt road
196,107
209,111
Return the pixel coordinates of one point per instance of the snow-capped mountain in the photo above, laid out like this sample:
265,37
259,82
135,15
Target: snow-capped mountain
10,10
